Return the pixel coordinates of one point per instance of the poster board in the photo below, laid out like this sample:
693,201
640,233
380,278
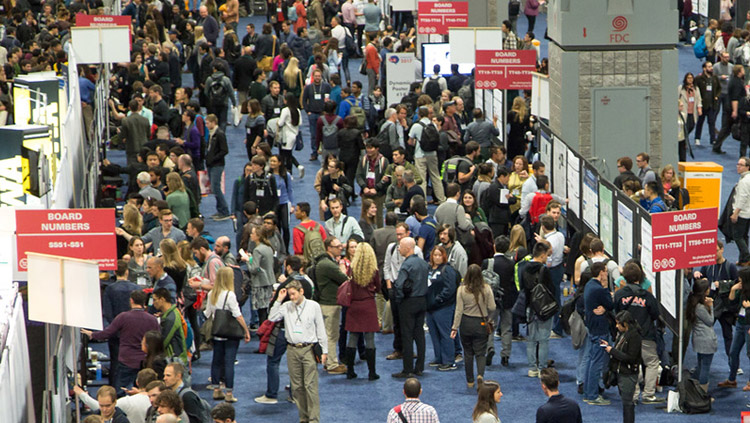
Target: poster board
647,247
89,42
559,163
590,187
487,102
400,70
606,218
667,294
403,5
545,153
540,95
574,183
465,41
625,230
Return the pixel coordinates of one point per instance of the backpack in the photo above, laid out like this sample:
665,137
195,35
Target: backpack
577,328
466,92
384,140
514,8
330,131
484,247
204,415
432,88
586,274
541,300
450,169
493,280
291,13
312,247
349,45
699,48
357,111
239,284
693,399
539,206
217,93
430,139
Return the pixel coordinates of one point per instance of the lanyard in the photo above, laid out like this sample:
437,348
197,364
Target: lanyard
300,312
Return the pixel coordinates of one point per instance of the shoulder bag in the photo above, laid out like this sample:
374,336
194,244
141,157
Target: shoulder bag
225,325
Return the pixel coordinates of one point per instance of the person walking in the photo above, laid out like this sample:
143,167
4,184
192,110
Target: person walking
288,128
260,268
741,211
361,315
531,11
700,313
441,304
536,272
488,396
626,358
215,152
222,297
474,302
709,86
691,97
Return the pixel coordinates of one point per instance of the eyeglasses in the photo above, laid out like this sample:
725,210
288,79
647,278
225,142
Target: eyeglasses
741,164
337,246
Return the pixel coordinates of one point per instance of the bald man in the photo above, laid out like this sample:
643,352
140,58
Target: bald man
411,290
155,269
222,249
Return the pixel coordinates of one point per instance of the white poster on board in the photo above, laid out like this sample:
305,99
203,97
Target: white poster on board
488,103
462,44
624,233
667,291
574,183
606,226
545,152
400,70
700,7
559,162
497,110
646,250
591,200
403,5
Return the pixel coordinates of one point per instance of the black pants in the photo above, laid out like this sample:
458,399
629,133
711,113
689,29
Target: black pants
282,213
726,320
114,353
626,386
396,321
474,341
726,124
412,313
745,138
192,318
532,22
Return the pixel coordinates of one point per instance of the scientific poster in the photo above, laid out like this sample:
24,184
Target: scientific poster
560,163
591,199
497,110
624,233
545,153
606,219
667,292
574,184
646,250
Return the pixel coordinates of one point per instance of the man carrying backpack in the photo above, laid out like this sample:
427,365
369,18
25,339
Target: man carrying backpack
461,169
504,267
597,301
351,106
302,231
425,137
219,90
435,84
327,131
314,97
198,410
535,280
260,187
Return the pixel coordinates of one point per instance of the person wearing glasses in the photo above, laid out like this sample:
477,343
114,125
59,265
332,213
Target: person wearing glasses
741,211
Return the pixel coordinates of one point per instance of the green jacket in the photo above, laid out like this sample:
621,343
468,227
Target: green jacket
328,277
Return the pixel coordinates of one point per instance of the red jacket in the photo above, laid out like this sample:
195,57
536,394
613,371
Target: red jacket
373,58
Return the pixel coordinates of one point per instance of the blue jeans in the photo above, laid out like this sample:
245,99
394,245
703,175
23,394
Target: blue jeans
556,274
126,376
738,341
704,367
598,359
440,321
272,366
583,359
222,363
214,176
538,337
312,119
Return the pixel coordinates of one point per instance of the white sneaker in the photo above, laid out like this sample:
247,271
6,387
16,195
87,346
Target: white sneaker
740,372
697,142
301,170
265,400
533,373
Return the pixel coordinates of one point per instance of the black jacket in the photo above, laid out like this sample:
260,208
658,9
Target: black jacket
217,149
262,190
505,267
119,416
161,113
626,352
497,213
442,290
642,305
625,176
243,72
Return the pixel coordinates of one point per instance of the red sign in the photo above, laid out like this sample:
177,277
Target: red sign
683,239
78,233
504,69
436,17
83,19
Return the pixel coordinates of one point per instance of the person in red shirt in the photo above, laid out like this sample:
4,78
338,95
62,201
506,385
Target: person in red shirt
372,57
302,213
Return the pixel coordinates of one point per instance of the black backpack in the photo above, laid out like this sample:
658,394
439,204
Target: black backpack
432,88
586,274
514,8
430,139
217,93
693,399
542,301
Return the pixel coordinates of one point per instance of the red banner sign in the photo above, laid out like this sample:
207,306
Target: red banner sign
504,69
78,233
683,239
83,19
436,17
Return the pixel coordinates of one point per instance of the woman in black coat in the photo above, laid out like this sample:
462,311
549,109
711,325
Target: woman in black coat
625,357
351,145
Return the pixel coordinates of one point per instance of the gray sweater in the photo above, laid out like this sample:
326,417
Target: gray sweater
261,269
704,336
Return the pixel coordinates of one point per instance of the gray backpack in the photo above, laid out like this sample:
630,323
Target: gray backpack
205,412
330,131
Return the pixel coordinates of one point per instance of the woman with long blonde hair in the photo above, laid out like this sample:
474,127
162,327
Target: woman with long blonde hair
518,242
174,265
222,297
292,81
132,220
518,118
178,199
362,315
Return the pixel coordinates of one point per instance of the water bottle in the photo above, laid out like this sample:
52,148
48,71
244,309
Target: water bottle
98,371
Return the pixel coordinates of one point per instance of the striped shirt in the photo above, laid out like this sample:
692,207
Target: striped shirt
415,411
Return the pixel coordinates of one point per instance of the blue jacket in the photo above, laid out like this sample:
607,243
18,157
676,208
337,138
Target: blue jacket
595,295
442,290
559,409
344,106
654,206
415,270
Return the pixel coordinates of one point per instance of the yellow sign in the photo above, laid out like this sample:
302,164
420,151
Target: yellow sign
703,182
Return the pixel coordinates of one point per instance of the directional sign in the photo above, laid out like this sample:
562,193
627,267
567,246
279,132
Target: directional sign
683,239
437,17
504,69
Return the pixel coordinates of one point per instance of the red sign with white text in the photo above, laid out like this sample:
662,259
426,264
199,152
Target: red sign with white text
504,69
436,17
683,239
83,19
77,233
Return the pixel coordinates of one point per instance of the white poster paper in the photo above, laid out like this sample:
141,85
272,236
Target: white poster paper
574,184
400,70
667,291
545,152
488,103
462,45
606,227
624,233
403,5
559,163
504,195
497,110
646,250
591,200
700,7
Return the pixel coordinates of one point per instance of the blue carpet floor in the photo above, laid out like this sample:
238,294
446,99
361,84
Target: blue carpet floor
344,401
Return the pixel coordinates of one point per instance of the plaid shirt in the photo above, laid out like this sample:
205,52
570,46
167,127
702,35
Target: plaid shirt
415,411
510,42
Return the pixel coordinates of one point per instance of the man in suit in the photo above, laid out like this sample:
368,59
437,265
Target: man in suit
244,68
558,408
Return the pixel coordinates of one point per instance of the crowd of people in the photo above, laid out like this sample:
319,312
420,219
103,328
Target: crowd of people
494,255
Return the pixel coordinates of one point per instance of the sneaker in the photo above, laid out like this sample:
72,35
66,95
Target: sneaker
598,401
301,170
396,355
435,364
219,217
740,372
554,335
401,375
265,400
697,142
230,398
652,400
459,358
447,367
533,373
340,369
580,389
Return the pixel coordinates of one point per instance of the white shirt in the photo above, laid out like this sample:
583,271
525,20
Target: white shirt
135,406
339,32
303,323
557,242
288,130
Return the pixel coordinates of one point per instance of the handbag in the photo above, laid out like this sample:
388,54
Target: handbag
266,63
363,66
225,325
317,352
488,326
344,294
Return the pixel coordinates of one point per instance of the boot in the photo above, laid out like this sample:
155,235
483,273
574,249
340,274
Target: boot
370,356
349,360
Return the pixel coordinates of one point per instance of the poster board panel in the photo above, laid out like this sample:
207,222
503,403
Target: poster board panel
606,218
590,213
462,44
574,183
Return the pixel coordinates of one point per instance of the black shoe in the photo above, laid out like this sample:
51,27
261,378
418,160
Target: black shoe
490,354
196,356
550,363
505,362
580,389
402,375
718,151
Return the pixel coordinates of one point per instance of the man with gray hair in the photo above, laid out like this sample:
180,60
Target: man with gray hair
389,132
410,295
188,175
394,195
412,190
144,187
